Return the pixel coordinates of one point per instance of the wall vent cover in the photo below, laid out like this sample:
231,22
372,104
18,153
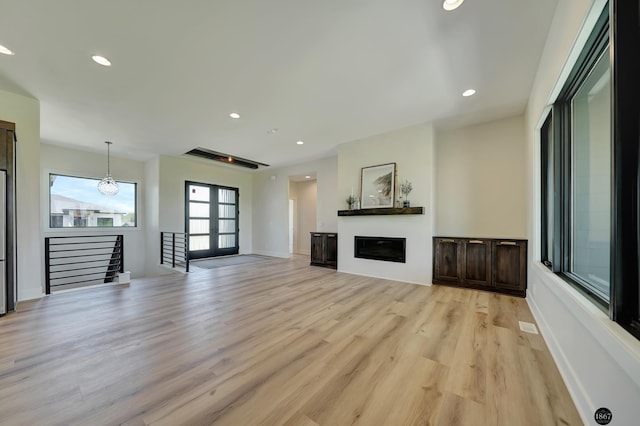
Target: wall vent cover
528,327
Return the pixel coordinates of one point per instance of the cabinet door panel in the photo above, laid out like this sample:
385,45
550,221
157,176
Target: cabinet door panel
332,250
477,268
509,264
324,249
317,250
448,259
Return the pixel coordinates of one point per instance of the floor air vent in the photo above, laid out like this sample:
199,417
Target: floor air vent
225,158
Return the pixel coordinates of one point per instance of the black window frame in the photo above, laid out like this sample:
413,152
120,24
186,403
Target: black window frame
546,186
53,223
618,30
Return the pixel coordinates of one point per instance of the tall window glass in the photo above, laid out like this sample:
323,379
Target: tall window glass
591,180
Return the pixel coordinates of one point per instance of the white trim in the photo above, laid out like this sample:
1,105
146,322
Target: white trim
272,253
583,35
382,277
31,294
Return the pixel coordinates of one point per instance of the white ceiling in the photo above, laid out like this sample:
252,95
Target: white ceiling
326,72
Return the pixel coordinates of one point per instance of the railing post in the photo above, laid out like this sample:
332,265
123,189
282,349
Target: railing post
162,248
47,268
186,251
121,240
173,250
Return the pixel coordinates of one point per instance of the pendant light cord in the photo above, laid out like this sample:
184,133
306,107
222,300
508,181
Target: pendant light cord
108,158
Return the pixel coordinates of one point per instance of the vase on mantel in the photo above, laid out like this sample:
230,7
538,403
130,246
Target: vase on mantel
405,188
351,202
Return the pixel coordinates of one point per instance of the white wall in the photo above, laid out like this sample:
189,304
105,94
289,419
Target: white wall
152,217
305,194
599,361
271,204
25,113
73,162
412,151
480,180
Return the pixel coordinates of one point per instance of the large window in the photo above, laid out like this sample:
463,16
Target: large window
590,185
590,171
74,202
576,174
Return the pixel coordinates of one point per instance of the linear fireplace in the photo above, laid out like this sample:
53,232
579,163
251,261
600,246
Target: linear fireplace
381,248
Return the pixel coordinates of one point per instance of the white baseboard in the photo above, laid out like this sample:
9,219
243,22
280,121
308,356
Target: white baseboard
578,394
272,253
29,294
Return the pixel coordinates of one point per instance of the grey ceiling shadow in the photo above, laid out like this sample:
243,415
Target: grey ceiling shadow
10,86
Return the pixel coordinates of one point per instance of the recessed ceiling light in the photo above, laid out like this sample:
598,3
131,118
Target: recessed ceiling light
101,60
307,177
468,92
6,51
300,143
451,4
234,115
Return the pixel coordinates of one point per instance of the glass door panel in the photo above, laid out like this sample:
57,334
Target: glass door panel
212,220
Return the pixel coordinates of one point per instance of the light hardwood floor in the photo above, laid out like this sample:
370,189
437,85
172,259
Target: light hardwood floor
276,343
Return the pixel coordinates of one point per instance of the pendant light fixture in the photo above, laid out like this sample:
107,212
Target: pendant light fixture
108,186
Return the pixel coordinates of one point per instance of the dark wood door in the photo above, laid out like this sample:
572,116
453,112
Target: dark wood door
448,259
317,250
477,262
331,250
510,264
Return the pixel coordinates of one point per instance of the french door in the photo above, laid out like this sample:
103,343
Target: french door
212,219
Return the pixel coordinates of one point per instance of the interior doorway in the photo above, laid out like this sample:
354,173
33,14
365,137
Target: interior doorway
303,201
292,227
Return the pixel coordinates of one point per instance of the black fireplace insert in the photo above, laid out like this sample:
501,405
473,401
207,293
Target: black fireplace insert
381,248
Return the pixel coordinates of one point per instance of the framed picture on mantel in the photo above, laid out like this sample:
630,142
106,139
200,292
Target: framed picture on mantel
378,186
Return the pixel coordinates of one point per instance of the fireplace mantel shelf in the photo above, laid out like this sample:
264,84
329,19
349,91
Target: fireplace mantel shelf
382,211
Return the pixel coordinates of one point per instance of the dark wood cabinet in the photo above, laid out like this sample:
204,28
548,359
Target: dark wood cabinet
447,264
490,264
510,264
324,249
477,262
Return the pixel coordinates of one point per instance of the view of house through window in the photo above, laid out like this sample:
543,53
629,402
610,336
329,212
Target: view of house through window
74,202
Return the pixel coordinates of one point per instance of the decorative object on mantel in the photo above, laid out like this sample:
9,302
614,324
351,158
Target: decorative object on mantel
405,188
378,184
352,202
108,186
